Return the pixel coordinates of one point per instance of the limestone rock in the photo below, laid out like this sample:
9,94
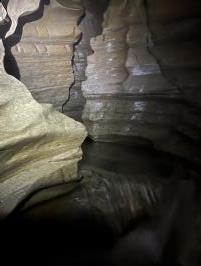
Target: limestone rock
3,12
45,51
143,79
17,8
90,26
108,191
106,66
39,147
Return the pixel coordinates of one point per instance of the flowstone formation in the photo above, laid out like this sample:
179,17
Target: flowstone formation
144,76
39,147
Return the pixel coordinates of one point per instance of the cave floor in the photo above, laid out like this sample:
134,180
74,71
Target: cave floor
118,181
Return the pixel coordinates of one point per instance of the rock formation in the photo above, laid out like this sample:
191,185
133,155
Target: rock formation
106,70
144,74
16,9
90,26
142,87
175,33
3,12
39,147
45,51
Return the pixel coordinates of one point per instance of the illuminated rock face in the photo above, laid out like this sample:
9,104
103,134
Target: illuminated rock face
18,8
144,76
39,147
44,53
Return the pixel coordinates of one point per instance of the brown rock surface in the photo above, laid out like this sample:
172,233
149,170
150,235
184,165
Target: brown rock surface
45,51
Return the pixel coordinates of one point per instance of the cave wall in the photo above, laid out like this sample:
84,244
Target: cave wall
45,50
90,25
143,80
134,73
39,146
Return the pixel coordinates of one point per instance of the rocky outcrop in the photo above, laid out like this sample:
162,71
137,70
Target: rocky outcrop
44,53
144,74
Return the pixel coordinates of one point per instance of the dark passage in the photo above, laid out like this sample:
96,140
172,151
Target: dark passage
90,223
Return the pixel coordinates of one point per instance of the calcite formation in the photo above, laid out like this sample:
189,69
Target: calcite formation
44,53
39,147
144,76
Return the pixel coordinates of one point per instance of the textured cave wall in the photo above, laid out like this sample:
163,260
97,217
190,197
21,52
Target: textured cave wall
90,26
143,79
39,147
106,67
43,51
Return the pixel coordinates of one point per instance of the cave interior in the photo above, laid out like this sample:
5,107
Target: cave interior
100,136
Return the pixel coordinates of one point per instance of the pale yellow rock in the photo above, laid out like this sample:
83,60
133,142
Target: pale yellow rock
39,146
